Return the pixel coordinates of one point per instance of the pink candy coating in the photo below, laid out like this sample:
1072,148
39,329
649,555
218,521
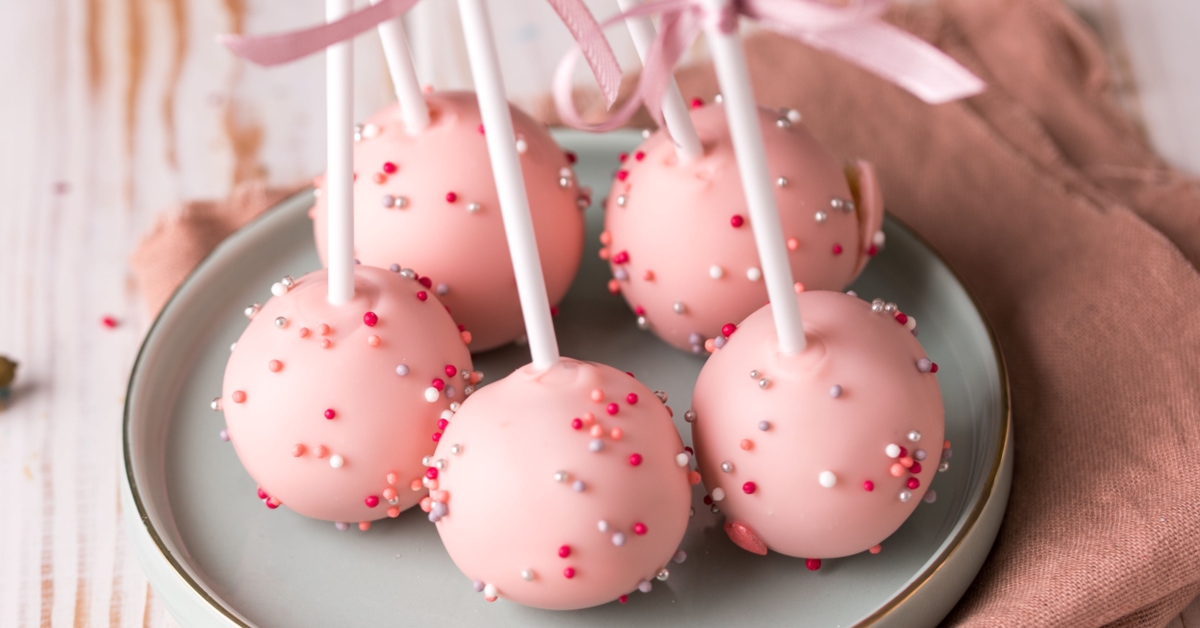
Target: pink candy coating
282,432
777,493
671,226
450,228
514,504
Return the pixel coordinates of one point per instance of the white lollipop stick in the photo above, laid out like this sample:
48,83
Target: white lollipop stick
413,109
339,104
674,109
742,113
510,184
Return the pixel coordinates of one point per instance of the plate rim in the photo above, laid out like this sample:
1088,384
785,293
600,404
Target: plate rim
919,583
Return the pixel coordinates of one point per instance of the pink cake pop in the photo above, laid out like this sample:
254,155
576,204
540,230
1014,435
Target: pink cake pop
427,200
678,235
331,408
823,453
561,489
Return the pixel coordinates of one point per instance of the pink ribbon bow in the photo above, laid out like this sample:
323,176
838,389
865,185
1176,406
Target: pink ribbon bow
284,47
855,33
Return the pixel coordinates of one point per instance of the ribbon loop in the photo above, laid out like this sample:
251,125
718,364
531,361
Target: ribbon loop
279,48
856,33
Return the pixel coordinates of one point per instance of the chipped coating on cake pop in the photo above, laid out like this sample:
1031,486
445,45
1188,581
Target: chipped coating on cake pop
678,239
327,406
820,454
428,201
562,489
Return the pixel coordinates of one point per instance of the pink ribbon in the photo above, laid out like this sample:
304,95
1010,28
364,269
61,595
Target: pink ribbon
855,33
281,48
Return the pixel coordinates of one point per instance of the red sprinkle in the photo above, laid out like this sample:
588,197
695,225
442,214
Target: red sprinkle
697,103
438,383
635,459
749,488
442,423
389,167
451,370
903,452
868,486
639,528
425,281
421,296
622,175
371,501
109,321
837,249
622,157
272,504
564,551
915,468
689,450
727,329
571,157
933,368
553,311
330,414
370,319
639,310
631,399
623,599
913,483
872,251
708,500
577,423
431,473
451,197
737,221
901,318
569,572
813,564
639,155
612,408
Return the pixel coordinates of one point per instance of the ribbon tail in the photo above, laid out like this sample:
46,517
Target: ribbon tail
595,47
280,48
900,57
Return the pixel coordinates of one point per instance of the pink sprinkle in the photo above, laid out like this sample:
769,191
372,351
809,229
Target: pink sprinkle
749,488
577,424
274,366
622,175
697,103
431,473
639,528
564,551
370,319
451,197
631,399
389,167
727,329
438,383
239,396
837,249
635,459
373,340
421,296
298,450
913,483
868,486
330,414
109,322
569,572
442,423
612,408
371,501
481,129
639,155
737,221
813,564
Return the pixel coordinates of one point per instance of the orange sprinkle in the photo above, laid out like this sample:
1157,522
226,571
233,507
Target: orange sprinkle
393,512
415,485
746,444
693,477
896,470
321,451
604,253
605,238
597,395
616,433
274,366
426,504
323,329
907,461
588,418
597,431
389,493
466,337
298,450
476,377
710,345
793,244
364,525
239,396
392,478
326,343
875,549
379,177
373,340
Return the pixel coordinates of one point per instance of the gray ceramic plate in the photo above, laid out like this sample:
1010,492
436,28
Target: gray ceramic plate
217,557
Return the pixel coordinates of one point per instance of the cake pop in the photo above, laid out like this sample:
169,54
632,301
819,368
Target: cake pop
678,236
427,200
826,452
331,408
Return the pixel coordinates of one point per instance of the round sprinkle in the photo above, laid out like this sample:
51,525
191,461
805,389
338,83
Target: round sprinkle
238,396
527,574
892,450
835,391
924,365
336,461
330,414
914,436
764,383
422,295
612,408
278,289
578,486
298,450
281,322
373,341
821,216
913,483
370,319
868,486
678,307
812,564
753,274
716,272
215,404
451,197
930,497
618,538
746,444
727,467
718,494
224,435
402,370
274,366
736,221
489,590
837,249
690,416
596,445
616,433
560,476
432,394
645,586
597,395
781,182
896,470
631,399
602,525
919,454
827,479
764,425
635,459
639,528
904,496
371,501
569,572
681,460
749,488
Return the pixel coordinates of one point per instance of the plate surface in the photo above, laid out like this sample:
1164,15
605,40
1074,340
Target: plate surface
218,557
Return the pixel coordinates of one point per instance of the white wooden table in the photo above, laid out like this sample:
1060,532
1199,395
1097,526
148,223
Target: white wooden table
113,111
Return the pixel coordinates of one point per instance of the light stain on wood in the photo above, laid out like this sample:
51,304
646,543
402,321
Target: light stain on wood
177,9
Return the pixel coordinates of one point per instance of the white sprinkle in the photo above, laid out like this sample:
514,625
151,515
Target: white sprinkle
370,130
456,449
879,239
914,436
716,272
892,450
522,145
278,289
474,208
681,460
904,496
489,590
754,274
793,115
336,461
602,525
827,479
718,494
432,394
618,539
402,370
527,574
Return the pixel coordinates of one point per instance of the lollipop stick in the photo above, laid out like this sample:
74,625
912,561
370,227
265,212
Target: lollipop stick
339,104
396,51
675,113
510,184
742,113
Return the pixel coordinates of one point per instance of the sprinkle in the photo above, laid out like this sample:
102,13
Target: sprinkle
304,332
737,221
616,433
224,435
635,459
718,494
753,274
716,272
578,486
913,483
402,370
618,538
281,322
330,414
690,416
781,182
813,564
896,470
373,340
924,365
631,399
326,343
432,394
596,445
749,488
422,295
837,249
904,496
727,467
274,366
321,451
679,307
746,444
371,501
336,461
602,525
238,396
868,486
527,574
370,319
835,391
451,197
892,450
930,497
827,479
